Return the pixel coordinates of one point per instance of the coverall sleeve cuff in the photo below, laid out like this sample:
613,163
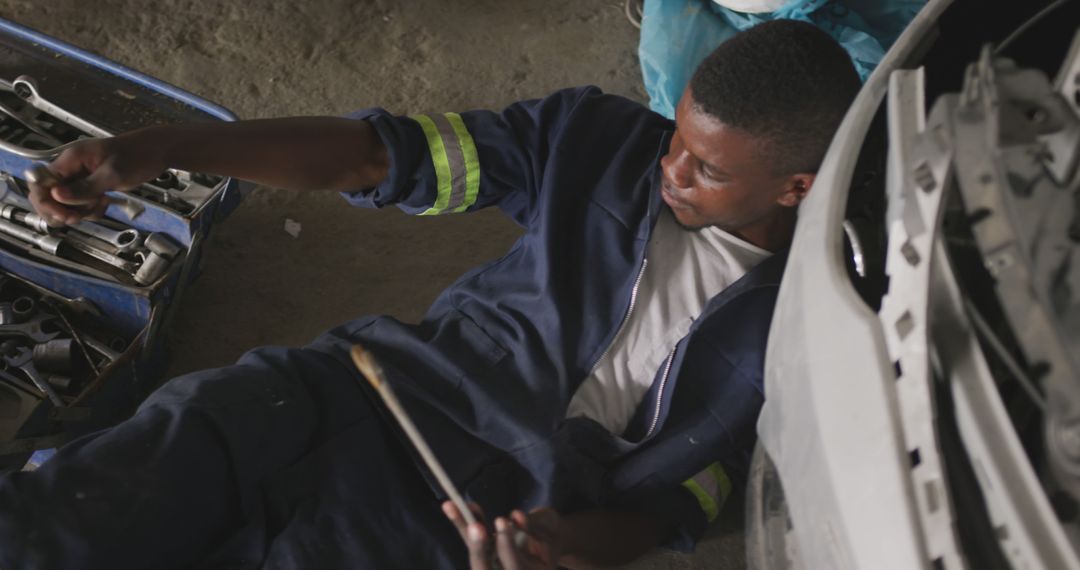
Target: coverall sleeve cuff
406,149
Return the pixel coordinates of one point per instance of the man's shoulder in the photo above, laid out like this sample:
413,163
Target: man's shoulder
590,102
603,132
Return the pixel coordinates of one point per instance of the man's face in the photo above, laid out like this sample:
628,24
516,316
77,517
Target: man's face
714,174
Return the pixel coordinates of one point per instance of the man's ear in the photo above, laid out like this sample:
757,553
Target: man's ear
795,189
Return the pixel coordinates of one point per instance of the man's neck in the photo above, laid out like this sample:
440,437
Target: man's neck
773,233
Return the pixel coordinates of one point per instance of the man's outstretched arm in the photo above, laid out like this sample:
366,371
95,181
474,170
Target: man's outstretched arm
303,153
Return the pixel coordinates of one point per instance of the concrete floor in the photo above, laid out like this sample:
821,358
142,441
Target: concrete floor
268,58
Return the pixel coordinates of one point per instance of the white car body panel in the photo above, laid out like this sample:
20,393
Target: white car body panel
837,441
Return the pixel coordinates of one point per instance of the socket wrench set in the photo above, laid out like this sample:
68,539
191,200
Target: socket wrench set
83,307
58,357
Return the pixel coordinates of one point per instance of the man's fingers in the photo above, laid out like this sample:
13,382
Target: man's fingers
55,214
520,520
85,191
508,552
477,541
477,512
70,211
475,536
452,513
522,535
97,211
72,194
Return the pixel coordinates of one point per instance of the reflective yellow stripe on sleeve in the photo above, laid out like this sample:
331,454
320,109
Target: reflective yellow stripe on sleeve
711,488
457,164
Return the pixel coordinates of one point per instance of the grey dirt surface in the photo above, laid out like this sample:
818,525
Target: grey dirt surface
262,58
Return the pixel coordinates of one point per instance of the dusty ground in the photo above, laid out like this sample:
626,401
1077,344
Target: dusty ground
267,58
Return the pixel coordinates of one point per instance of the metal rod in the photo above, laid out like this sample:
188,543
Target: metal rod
1006,357
374,375
32,154
50,244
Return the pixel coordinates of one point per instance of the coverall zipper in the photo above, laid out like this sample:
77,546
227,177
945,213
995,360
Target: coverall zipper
660,392
626,316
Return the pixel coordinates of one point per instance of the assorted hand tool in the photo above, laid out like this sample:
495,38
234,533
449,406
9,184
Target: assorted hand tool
129,255
42,351
84,306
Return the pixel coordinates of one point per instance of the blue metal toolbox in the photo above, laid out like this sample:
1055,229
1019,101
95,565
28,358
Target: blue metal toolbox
103,290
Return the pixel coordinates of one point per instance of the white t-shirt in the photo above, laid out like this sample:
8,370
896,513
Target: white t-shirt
683,271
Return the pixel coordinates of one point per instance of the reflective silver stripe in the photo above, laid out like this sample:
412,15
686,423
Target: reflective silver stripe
711,488
456,157
709,484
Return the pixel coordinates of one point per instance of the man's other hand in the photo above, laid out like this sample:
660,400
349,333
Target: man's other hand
522,541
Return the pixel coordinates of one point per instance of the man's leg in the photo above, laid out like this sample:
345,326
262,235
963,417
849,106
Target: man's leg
177,480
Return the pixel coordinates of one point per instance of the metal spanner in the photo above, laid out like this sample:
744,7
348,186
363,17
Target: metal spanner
31,329
23,119
23,359
85,245
122,240
18,382
26,88
34,153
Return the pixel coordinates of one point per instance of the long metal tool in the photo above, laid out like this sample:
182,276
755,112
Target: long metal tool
34,154
85,245
26,88
371,370
75,334
24,217
29,124
47,243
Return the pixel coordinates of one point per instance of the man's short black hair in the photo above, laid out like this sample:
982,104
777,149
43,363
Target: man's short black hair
785,82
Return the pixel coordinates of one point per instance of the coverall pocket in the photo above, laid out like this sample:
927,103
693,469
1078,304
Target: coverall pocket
433,357
464,343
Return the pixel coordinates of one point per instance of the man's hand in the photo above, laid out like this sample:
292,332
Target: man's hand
88,169
522,542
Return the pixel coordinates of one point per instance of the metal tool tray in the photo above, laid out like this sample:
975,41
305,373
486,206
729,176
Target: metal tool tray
117,99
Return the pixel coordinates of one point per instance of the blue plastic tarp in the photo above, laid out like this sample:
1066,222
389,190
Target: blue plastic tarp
677,34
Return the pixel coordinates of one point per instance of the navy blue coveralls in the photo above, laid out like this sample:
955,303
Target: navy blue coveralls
287,460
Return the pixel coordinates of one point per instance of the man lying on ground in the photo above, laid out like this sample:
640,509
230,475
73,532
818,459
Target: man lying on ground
604,375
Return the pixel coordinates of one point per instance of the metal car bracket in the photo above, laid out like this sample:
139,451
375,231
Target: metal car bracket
1025,229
